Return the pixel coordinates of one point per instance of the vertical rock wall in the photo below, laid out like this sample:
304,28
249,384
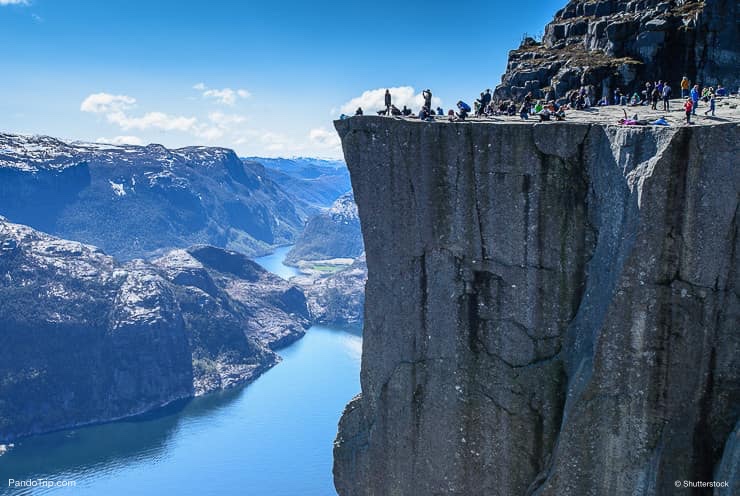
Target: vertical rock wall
550,309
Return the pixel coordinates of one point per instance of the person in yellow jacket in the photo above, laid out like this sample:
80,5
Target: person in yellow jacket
685,87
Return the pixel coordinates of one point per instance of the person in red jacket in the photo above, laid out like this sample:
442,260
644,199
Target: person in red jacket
688,106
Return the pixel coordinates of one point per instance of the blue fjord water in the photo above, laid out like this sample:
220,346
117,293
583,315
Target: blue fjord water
271,438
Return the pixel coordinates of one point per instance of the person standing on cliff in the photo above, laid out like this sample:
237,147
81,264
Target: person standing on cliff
695,97
712,104
648,92
688,105
666,96
388,102
427,94
655,96
684,87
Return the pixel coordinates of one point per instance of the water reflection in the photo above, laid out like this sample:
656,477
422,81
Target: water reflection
273,437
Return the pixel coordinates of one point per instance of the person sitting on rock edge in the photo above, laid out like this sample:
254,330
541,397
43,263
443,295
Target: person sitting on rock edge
358,111
463,108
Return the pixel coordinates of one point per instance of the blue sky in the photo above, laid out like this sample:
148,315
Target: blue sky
263,77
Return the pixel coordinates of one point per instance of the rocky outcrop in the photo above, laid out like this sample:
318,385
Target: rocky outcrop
551,309
86,339
337,298
609,44
140,201
335,233
330,254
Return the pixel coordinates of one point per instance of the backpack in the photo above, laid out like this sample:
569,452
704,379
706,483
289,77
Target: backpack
464,106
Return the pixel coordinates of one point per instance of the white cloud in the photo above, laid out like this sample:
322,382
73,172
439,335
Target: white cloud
14,2
103,103
373,100
224,120
137,125
219,125
324,139
153,120
270,140
115,108
209,133
121,140
225,96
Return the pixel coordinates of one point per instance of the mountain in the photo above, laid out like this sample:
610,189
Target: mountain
335,233
139,201
551,309
315,182
337,297
303,167
610,44
330,255
85,338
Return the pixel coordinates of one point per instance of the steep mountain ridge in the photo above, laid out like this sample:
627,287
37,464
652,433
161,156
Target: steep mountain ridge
139,201
84,338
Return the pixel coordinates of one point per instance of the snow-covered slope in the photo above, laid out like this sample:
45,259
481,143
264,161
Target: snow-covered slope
135,201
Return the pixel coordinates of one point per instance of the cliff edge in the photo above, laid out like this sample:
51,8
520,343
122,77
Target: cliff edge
551,309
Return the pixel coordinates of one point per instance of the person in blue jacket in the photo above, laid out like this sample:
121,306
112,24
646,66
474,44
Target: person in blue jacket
463,108
695,98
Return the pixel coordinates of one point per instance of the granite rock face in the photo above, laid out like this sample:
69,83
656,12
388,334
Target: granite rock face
609,44
84,338
141,201
551,309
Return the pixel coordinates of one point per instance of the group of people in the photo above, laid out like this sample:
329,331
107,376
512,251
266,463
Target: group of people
551,108
484,106
661,92
695,95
